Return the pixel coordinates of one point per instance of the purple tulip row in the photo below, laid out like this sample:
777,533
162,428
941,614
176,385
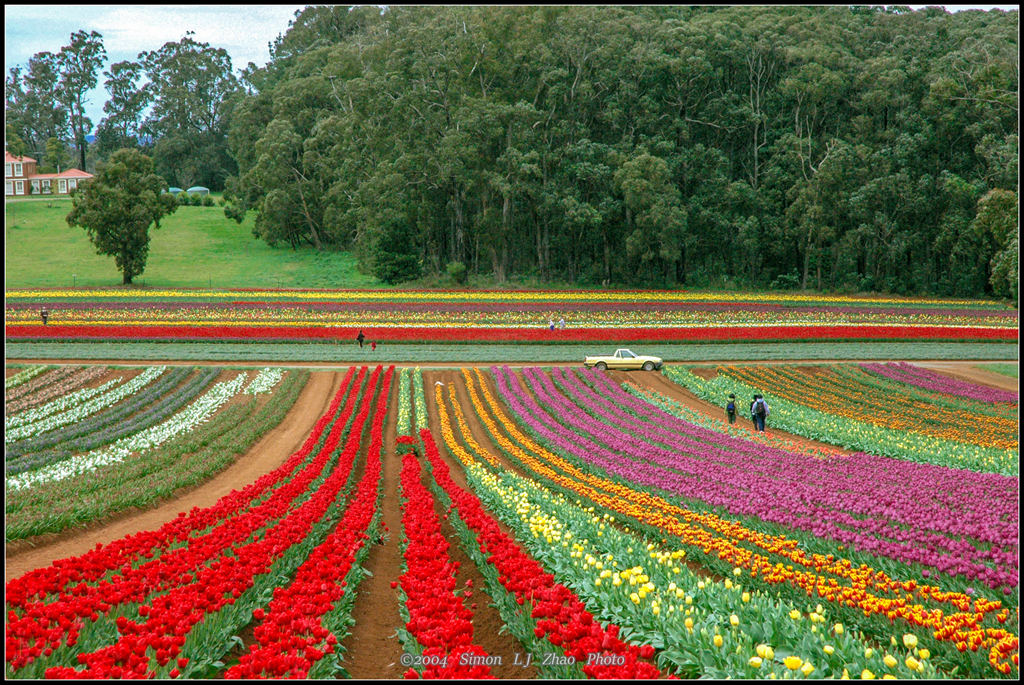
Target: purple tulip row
86,430
142,414
871,502
929,380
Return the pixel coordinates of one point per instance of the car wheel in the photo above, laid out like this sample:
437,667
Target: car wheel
601,366
648,366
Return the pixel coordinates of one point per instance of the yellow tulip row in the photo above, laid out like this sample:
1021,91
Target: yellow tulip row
633,581
833,394
862,586
489,296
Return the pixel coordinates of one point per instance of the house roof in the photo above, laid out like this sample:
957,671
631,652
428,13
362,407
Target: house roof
74,173
70,173
8,157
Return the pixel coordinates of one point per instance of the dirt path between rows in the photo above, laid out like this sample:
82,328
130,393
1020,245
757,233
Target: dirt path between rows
972,374
266,455
457,365
487,621
652,380
372,649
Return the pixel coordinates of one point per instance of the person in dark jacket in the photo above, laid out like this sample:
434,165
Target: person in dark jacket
730,408
759,412
360,338
45,315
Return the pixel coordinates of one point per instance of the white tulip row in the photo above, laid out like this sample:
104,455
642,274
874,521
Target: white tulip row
26,375
87,408
264,381
54,406
182,422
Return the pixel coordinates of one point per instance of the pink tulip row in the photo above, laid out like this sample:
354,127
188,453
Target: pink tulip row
830,499
929,380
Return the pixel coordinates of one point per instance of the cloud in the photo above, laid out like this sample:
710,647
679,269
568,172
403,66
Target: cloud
242,30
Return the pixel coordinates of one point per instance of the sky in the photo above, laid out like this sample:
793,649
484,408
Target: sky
243,30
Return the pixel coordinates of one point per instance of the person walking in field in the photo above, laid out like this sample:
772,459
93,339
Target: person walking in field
373,346
730,408
360,338
45,315
759,411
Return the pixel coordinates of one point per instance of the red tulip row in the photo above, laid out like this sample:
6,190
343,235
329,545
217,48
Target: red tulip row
563,619
126,571
438,619
292,636
494,334
208,587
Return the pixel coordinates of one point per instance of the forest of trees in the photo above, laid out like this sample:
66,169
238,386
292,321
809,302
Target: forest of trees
832,148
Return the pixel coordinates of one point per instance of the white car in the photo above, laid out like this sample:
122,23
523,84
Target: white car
623,359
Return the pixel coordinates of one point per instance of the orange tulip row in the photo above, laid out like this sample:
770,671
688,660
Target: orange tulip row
834,579
835,394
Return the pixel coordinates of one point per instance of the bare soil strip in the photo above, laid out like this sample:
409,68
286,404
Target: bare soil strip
487,622
652,380
459,365
971,373
266,455
372,649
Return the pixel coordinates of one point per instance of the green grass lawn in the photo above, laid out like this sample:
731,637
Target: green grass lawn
433,354
196,247
1011,370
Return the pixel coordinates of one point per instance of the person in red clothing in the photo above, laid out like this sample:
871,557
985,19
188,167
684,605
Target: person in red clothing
373,346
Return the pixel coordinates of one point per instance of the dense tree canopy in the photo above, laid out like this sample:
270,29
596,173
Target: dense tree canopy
826,147
837,148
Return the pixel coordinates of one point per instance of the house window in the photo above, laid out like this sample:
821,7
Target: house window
62,186
9,188
35,187
7,171
19,187
17,169
46,186
72,184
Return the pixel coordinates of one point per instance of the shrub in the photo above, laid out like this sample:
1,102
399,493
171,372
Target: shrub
457,272
790,281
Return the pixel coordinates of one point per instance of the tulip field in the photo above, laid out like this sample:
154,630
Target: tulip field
511,522
432,316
